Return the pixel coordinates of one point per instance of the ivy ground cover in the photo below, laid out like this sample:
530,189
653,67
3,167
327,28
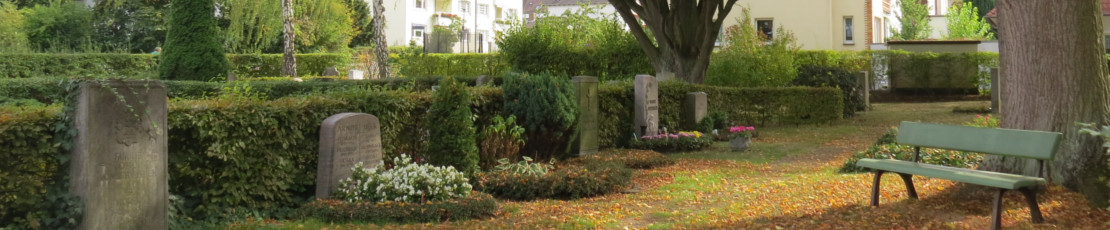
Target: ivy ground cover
786,180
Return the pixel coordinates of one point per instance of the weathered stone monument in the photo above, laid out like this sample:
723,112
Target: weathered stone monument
646,121
695,108
589,108
331,72
355,74
996,92
119,159
482,80
345,140
665,76
231,76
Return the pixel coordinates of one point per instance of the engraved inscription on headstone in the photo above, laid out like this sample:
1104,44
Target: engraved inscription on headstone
646,106
119,160
696,107
589,108
345,140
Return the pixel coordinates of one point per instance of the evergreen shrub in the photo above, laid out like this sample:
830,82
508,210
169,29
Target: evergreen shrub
193,50
546,106
473,206
451,125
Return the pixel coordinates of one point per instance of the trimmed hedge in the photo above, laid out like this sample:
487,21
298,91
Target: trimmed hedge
632,158
30,162
477,205
146,65
790,105
458,65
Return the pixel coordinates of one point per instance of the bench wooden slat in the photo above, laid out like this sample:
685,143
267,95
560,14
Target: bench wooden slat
1006,142
971,176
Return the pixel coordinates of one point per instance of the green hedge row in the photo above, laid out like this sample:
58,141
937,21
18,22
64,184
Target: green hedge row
146,65
477,205
458,65
216,150
30,161
49,90
749,106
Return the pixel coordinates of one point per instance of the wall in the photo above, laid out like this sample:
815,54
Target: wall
817,24
402,14
606,9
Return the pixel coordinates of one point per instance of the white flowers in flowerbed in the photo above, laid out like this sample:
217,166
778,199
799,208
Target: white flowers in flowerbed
405,182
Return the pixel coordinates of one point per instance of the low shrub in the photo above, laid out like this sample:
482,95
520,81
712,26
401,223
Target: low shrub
524,167
632,158
715,120
546,107
569,181
846,81
981,109
405,182
984,122
502,139
473,206
675,142
146,65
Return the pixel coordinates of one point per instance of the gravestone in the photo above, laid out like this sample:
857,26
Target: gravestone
482,80
355,74
345,140
664,76
865,89
996,92
695,108
231,76
118,166
646,121
331,72
588,114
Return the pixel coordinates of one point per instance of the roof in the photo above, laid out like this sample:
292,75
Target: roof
1105,10
572,2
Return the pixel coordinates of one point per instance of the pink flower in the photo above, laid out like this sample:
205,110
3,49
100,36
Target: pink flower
675,136
646,137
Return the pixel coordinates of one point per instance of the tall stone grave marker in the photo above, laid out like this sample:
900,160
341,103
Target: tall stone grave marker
647,106
345,140
696,107
588,114
996,92
119,160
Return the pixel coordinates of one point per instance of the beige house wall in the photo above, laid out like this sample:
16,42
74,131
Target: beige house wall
817,24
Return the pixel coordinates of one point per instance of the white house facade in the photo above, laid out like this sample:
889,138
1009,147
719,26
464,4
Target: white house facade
411,21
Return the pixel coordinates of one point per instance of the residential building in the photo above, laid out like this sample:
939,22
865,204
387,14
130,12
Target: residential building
530,8
817,24
558,7
412,21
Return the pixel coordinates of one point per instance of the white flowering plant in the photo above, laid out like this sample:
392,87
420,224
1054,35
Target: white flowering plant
405,182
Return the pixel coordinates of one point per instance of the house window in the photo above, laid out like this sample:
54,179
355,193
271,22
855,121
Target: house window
767,27
418,33
512,13
848,38
464,7
499,12
420,4
483,9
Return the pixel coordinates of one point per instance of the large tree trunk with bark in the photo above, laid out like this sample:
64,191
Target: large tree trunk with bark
683,32
1053,75
290,66
382,51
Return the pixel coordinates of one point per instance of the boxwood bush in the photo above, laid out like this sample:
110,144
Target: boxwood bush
476,205
567,181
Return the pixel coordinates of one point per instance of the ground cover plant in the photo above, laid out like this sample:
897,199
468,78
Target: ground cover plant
786,180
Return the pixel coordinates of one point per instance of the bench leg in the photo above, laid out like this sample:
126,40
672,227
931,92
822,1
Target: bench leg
996,216
875,189
1034,209
908,178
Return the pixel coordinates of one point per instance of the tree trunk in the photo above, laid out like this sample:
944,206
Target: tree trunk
290,67
382,50
1053,73
683,32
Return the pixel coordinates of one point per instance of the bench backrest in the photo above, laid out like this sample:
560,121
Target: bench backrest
1006,142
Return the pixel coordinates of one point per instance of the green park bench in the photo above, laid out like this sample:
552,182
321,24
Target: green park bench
1036,145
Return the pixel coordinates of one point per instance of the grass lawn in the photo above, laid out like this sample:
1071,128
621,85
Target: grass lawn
786,180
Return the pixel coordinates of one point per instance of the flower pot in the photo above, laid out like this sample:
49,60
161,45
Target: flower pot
739,144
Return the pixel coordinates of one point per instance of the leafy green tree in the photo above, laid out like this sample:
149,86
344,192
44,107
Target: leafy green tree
984,6
750,60
136,26
193,49
360,18
21,4
452,136
964,23
915,21
59,26
12,37
677,36
251,26
323,26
